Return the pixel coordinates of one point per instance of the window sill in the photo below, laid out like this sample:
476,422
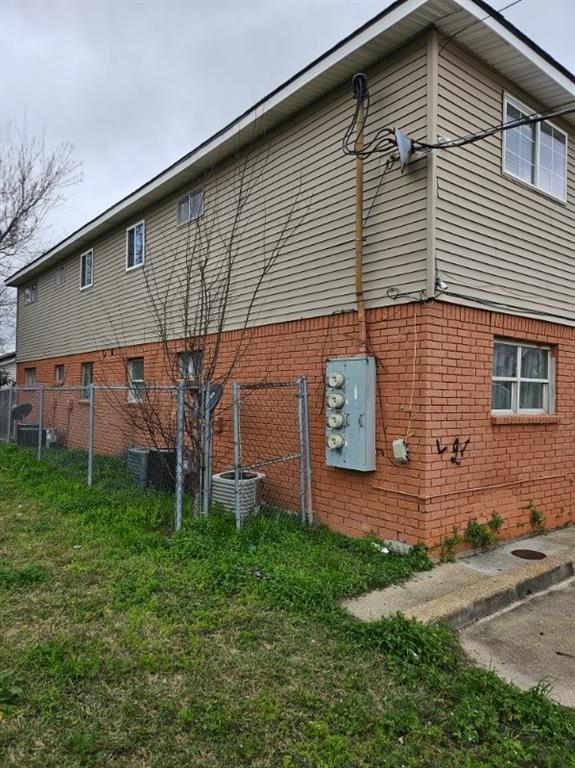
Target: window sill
533,418
534,188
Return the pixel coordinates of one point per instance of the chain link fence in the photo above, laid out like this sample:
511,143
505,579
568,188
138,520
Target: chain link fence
159,439
271,450
155,439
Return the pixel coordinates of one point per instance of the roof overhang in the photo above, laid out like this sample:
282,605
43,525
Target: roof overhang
479,28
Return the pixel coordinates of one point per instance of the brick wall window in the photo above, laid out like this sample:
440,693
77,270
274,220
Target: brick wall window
522,378
30,377
87,376
59,374
136,379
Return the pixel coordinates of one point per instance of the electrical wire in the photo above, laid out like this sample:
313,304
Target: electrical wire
384,139
473,23
389,163
471,138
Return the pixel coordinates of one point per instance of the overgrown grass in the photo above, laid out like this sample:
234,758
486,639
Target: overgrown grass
124,646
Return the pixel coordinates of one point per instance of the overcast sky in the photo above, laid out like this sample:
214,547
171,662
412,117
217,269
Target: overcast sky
135,84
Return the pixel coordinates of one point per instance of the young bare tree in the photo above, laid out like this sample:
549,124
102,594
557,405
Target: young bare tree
213,276
32,182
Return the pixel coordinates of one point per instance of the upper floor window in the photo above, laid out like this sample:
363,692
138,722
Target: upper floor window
135,246
521,378
30,293
29,376
190,207
59,276
136,379
535,153
86,269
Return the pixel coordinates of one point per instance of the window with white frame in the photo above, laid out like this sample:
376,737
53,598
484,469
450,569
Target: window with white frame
87,378
136,379
86,269
535,153
59,276
135,246
190,207
522,378
190,364
30,294
59,374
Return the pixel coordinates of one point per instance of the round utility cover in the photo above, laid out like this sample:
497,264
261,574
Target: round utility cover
528,554
21,411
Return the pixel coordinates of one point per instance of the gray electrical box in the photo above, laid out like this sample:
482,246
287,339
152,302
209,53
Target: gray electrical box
350,413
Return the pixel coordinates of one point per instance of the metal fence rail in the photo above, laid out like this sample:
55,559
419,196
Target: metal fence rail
155,438
271,448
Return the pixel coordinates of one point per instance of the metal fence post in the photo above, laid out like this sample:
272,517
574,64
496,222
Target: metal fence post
179,454
206,448
10,409
306,446
237,453
91,424
40,418
302,462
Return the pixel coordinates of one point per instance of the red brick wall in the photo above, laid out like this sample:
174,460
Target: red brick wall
504,467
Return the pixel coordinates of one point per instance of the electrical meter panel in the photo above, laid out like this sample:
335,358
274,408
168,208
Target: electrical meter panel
350,413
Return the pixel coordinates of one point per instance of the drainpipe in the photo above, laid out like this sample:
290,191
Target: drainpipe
360,90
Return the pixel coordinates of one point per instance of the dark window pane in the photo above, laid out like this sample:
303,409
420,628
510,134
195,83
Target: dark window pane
531,395
502,395
505,360
534,363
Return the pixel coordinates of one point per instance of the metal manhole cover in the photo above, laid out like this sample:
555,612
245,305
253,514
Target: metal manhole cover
528,554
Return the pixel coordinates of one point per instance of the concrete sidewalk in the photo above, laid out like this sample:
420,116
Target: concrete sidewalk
530,642
476,586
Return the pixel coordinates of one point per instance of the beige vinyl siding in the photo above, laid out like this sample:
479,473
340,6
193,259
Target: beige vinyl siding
497,239
299,166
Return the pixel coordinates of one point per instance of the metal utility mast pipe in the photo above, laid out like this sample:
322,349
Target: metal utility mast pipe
360,91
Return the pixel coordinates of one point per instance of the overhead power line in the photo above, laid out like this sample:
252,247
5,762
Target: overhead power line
470,138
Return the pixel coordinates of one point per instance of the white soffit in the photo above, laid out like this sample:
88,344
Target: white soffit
487,38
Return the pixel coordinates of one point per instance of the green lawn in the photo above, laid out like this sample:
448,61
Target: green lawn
121,645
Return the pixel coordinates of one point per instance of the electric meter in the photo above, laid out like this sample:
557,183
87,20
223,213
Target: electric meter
336,401
335,380
350,413
335,442
336,420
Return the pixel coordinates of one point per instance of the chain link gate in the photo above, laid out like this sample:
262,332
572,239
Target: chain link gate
272,465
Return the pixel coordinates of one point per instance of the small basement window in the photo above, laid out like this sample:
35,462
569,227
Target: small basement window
86,269
87,378
522,378
135,246
136,380
535,153
190,207
30,294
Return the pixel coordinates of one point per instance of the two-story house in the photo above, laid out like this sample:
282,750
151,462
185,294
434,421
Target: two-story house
467,269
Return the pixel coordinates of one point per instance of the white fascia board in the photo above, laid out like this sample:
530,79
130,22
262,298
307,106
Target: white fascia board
397,14
512,39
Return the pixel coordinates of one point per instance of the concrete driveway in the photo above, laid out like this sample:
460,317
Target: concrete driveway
530,641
